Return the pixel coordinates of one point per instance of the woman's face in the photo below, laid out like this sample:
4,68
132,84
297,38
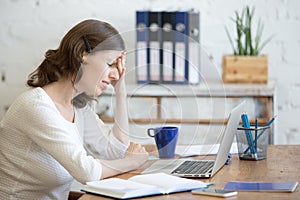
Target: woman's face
98,70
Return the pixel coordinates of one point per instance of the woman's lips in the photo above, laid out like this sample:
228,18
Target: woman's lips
104,85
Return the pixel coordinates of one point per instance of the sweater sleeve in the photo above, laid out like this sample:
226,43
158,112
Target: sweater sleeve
43,124
99,140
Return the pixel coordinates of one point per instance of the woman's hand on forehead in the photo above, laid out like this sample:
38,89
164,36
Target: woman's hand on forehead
121,64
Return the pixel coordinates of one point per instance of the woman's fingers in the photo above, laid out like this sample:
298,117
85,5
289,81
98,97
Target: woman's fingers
136,148
121,65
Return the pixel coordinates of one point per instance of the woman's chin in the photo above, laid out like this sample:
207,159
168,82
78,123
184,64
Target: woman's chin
98,92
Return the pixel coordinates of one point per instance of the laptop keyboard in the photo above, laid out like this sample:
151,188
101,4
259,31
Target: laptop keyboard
194,167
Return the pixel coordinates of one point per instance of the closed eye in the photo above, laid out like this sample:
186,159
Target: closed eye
112,64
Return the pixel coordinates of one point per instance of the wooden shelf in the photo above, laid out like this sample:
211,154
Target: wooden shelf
179,121
210,88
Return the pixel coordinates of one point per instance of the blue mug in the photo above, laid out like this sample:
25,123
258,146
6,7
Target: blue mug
166,140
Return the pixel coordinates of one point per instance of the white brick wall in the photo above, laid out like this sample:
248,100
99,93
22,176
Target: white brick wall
29,28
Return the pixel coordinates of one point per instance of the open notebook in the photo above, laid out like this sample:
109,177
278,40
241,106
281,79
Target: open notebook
142,185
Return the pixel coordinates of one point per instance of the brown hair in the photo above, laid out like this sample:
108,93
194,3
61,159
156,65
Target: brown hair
64,62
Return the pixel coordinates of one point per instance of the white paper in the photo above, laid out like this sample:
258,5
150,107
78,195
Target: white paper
117,184
169,183
179,61
194,55
196,150
141,61
154,61
168,61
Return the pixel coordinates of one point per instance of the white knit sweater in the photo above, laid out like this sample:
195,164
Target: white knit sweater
41,152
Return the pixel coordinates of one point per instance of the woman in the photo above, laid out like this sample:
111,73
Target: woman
50,135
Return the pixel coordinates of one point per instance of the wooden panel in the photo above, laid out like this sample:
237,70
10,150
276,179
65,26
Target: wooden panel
245,69
179,121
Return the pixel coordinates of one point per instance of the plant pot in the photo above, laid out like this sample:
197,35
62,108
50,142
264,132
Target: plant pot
245,69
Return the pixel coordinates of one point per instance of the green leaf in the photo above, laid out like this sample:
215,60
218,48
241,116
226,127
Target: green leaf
230,40
264,44
246,43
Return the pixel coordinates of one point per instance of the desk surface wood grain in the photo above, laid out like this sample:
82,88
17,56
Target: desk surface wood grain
282,164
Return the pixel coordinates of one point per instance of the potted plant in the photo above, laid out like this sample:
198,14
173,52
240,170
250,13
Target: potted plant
247,65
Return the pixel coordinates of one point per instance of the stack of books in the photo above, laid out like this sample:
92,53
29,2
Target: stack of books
167,47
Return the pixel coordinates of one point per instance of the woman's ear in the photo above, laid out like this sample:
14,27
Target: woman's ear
84,56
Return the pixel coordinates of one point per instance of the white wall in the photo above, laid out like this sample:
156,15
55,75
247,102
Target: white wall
29,28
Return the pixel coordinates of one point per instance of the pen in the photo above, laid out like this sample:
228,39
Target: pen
256,126
268,124
228,159
210,184
271,121
248,133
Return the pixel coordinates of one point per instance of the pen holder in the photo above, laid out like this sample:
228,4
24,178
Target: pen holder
252,142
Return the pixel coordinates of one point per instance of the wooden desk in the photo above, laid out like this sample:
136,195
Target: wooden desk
282,164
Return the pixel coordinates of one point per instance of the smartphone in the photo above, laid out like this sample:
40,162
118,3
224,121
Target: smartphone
215,192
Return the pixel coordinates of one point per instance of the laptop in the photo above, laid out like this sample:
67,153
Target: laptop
202,168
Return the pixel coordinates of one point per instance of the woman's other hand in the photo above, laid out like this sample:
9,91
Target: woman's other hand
137,153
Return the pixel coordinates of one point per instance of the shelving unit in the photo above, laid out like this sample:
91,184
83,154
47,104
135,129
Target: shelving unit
208,103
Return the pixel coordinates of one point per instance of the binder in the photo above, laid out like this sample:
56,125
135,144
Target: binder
181,47
142,39
154,46
194,48
167,47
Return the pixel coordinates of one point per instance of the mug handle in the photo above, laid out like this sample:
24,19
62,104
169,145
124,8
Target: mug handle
151,132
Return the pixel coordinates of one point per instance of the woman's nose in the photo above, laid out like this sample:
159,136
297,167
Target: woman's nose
113,74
